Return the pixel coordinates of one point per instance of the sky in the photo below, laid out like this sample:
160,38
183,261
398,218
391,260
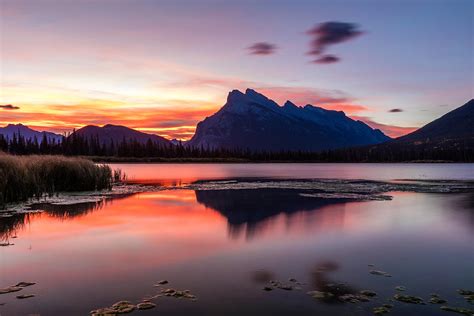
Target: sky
162,66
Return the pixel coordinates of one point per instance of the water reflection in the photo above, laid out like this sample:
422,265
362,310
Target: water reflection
92,255
328,289
191,172
262,276
250,212
466,209
64,212
11,225
323,282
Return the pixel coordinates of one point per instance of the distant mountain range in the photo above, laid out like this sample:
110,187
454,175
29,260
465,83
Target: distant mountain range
28,133
448,138
105,134
447,131
116,133
252,121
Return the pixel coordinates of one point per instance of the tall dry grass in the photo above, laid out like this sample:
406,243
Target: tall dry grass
23,177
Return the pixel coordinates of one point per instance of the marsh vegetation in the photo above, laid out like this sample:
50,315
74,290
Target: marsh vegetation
24,177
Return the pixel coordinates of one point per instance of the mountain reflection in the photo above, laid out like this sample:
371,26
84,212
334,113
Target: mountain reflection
251,211
320,280
465,210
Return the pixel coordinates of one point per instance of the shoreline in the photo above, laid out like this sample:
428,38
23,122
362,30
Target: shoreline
158,160
342,189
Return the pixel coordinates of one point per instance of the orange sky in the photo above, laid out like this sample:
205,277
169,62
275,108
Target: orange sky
177,119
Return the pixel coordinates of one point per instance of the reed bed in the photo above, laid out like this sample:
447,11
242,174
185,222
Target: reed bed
24,177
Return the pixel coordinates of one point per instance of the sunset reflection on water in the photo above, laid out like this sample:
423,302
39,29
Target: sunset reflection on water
214,242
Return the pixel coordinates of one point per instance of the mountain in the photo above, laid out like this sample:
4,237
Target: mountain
117,133
448,138
252,121
28,133
452,128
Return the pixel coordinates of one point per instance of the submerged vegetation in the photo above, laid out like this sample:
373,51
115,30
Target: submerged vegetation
24,177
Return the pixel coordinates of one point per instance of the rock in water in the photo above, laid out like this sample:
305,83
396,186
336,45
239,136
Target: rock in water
408,299
25,284
320,295
378,272
23,296
179,294
468,295
354,298
145,305
121,307
437,300
381,310
459,310
10,289
368,293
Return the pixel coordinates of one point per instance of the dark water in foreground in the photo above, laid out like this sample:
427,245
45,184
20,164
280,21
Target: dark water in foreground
224,245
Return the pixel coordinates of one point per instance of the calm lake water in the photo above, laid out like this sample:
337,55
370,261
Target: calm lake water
225,245
192,172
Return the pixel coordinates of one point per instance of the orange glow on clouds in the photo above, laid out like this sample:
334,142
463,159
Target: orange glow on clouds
172,111
389,130
176,122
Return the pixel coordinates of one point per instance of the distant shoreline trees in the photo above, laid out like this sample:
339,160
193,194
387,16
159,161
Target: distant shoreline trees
77,145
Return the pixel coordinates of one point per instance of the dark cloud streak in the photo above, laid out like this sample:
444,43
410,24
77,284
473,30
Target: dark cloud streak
262,48
327,59
395,111
9,107
327,34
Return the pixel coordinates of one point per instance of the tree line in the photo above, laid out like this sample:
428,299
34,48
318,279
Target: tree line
77,145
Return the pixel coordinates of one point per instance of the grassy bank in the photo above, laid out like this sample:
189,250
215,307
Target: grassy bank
23,177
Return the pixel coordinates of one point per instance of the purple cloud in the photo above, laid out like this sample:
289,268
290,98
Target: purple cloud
330,33
262,48
395,110
326,59
9,107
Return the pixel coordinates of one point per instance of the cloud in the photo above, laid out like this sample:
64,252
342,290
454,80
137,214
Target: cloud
328,99
327,59
327,34
302,95
176,122
346,108
262,48
222,83
395,111
390,130
9,107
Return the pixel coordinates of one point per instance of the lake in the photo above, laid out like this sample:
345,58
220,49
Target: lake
227,245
